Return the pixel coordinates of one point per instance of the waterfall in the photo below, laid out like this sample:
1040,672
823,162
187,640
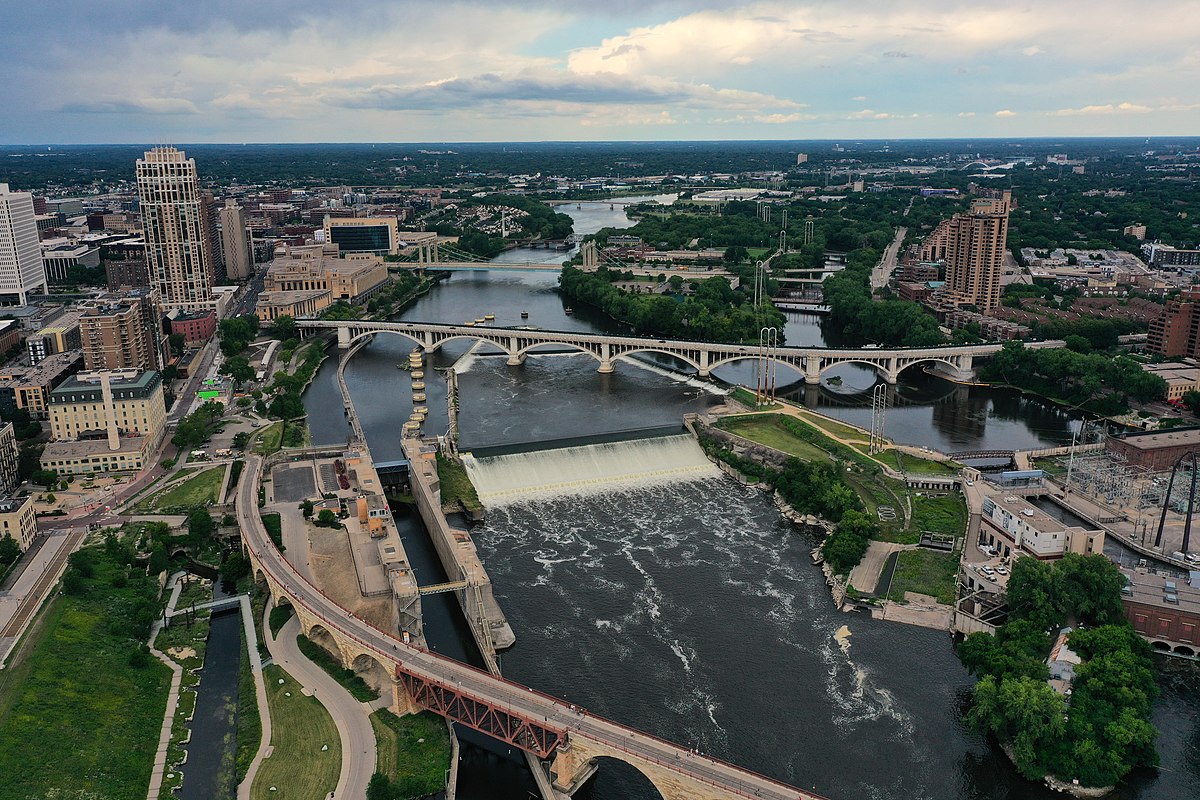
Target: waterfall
587,469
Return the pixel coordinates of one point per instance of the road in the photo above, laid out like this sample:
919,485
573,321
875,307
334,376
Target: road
520,700
38,576
353,724
882,273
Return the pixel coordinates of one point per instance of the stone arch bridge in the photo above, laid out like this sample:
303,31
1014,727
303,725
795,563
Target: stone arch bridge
567,738
957,363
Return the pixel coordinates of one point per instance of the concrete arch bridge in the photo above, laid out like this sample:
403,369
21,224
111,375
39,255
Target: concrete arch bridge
957,363
569,738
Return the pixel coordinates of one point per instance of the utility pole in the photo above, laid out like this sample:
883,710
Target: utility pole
879,404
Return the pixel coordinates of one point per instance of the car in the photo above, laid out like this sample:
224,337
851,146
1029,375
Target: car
1002,570
1193,558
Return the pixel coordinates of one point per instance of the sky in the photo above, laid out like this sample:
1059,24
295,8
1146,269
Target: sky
398,70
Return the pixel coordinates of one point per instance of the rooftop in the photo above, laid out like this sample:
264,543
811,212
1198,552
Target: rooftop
1161,590
120,379
1170,438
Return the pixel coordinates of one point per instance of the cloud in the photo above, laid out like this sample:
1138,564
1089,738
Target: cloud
546,86
859,99
149,105
781,119
897,54
966,113
1031,51
867,113
1006,113
1107,108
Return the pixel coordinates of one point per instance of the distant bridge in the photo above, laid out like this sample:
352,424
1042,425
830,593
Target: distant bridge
438,257
957,363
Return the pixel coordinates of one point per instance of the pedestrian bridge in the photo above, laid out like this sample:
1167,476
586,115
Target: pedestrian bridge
571,738
956,363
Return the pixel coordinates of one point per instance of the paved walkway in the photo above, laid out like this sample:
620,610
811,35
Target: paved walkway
865,576
350,716
164,736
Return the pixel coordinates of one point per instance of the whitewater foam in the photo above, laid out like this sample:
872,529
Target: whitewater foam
587,469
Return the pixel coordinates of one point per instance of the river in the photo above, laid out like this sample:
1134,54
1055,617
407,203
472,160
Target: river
691,609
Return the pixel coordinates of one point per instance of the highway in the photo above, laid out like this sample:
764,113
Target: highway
726,779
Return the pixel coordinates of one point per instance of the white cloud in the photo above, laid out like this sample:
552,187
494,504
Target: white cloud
1107,108
1006,113
781,119
859,99
1031,51
966,113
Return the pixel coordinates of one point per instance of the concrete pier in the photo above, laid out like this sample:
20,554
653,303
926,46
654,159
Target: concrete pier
457,551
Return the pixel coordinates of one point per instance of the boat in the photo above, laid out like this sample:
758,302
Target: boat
418,374
418,385
469,323
524,315
568,310
489,317
421,410
418,397
480,321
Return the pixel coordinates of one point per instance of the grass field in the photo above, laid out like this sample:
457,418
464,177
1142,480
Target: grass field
297,768
355,685
416,768
767,429
269,439
946,515
200,489
925,572
274,525
750,399
906,462
249,721
837,429
456,486
75,716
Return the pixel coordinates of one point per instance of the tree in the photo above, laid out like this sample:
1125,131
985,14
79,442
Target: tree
307,508
45,477
10,551
735,254
236,566
284,327
178,343
238,369
380,788
200,524
1191,399
327,519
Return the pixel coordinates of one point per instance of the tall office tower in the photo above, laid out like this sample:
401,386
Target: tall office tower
21,267
178,252
234,242
1176,331
973,246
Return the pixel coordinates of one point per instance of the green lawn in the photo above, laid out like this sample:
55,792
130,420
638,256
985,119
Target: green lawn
767,429
355,685
279,617
269,439
75,716
1055,467
838,429
946,515
274,525
906,462
413,751
750,399
456,486
925,572
198,490
297,768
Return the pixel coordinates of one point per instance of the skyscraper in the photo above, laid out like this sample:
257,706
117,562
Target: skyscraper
234,242
178,248
973,245
21,267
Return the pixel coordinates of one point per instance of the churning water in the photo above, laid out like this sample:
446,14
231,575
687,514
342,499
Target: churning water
587,469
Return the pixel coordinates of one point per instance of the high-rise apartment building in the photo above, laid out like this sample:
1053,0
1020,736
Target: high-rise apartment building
972,246
1176,332
177,229
21,267
115,335
235,242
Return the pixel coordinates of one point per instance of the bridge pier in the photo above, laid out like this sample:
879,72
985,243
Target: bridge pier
344,336
515,360
812,371
606,367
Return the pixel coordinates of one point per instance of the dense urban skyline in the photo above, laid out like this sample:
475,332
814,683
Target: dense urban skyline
410,71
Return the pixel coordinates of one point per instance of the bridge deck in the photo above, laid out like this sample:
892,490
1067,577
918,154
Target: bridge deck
518,701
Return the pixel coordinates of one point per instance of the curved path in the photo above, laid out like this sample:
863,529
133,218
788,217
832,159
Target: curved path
349,715
723,779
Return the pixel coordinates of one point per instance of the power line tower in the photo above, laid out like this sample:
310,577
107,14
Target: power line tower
808,230
879,405
768,348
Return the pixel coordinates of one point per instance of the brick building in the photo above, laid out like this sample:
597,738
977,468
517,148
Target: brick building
1156,450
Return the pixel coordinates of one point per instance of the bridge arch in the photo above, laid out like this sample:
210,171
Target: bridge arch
466,337
373,672
753,356
678,356
624,777
526,350
319,635
404,334
880,369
